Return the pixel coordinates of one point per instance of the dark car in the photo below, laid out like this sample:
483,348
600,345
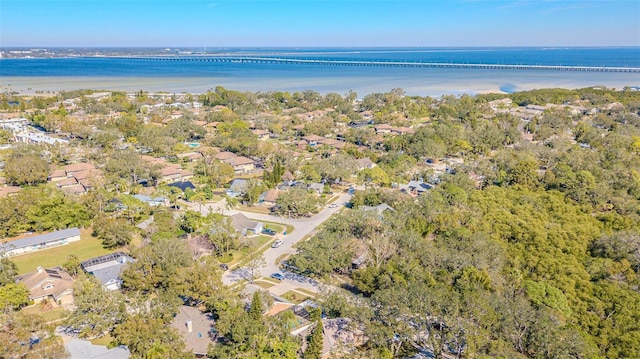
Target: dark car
268,231
277,276
224,266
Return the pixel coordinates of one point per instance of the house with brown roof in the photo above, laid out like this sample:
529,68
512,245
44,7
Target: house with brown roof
9,191
48,284
270,197
383,128
241,164
262,134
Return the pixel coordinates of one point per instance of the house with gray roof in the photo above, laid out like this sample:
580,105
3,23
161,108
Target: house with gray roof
243,224
107,269
84,349
32,243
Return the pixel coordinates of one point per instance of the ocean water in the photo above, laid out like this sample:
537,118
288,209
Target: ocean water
29,75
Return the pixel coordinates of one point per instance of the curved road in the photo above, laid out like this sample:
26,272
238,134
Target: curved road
302,228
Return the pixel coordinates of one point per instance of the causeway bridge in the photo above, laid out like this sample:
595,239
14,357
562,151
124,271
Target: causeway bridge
374,63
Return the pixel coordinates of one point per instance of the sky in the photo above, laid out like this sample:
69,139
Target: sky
318,23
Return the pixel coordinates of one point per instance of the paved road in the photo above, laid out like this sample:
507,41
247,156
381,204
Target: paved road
303,227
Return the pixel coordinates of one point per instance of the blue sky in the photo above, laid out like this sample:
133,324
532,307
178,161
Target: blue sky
273,23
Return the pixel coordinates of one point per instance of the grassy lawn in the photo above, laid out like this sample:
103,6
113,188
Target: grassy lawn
276,227
48,315
106,340
295,297
261,210
269,279
87,247
258,244
262,284
307,292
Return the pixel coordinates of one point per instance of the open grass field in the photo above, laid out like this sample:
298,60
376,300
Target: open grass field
48,315
87,247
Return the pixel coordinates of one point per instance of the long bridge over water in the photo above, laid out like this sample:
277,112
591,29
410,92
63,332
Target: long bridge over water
379,63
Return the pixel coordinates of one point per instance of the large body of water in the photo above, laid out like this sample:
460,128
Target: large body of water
30,75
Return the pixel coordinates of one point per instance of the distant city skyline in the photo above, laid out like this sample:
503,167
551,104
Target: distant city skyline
315,23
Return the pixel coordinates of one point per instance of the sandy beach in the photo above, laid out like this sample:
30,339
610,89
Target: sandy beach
432,83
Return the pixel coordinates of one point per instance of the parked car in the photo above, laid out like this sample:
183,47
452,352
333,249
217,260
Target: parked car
269,232
277,243
224,266
277,276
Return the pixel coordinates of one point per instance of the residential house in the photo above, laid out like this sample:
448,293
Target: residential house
261,134
382,128
243,224
270,197
53,284
106,269
313,140
380,209
22,245
364,163
151,201
197,329
9,191
318,188
84,349
415,188
190,156
242,164
238,187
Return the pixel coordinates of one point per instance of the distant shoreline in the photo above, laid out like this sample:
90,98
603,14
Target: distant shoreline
29,85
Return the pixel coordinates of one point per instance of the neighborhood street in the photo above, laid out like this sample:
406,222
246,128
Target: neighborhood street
302,228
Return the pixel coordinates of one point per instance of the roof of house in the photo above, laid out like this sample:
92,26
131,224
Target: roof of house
241,222
202,329
107,268
239,161
83,349
225,155
149,199
271,195
44,282
239,185
58,173
364,162
75,167
5,191
39,239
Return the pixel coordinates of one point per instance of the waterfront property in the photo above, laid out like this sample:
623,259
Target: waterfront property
22,245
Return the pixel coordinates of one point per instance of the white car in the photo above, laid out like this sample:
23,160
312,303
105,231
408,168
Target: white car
277,243
333,205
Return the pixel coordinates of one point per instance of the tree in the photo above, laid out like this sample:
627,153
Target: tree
25,166
143,335
254,263
97,311
297,202
114,232
256,310
8,270
156,264
17,334
13,296
314,349
72,265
